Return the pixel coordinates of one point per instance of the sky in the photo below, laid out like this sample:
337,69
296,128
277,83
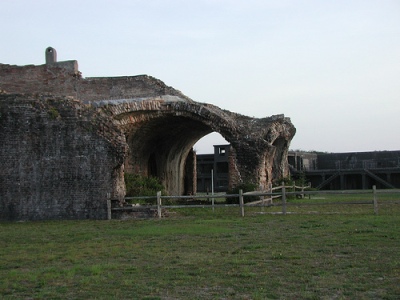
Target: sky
332,67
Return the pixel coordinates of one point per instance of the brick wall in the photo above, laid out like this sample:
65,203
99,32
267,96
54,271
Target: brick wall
59,160
61,157
64,79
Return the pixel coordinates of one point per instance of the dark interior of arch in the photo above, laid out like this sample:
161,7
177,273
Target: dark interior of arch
162,147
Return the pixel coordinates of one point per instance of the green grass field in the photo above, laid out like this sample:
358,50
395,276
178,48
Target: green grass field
346,253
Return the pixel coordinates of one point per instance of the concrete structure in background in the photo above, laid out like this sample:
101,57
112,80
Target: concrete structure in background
216,167
326,171
66,141
354,170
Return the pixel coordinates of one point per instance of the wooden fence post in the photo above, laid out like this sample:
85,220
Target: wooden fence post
262,198
108,206
159,204
375,200
283,198
241,203
270,190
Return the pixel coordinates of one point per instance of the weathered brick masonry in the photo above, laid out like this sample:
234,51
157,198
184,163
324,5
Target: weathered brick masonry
64,79
65,140
59,160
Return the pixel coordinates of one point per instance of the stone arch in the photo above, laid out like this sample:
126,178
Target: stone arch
280,159
160,141
105,124
160,146
161,131
274,165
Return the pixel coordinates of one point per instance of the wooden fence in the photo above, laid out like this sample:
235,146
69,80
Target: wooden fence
267,198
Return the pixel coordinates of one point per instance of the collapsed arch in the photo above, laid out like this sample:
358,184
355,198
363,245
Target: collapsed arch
162,147
160,133
88,140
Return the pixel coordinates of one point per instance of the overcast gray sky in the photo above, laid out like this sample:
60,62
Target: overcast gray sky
333,67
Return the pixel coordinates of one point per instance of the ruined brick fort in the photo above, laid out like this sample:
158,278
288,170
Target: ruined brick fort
66,140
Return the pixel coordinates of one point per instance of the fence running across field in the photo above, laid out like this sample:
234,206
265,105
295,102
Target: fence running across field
267,198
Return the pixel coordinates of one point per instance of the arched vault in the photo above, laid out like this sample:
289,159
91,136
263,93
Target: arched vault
65,148
161,131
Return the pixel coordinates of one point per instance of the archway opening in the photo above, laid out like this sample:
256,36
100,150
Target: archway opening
206,144
161,146
212,163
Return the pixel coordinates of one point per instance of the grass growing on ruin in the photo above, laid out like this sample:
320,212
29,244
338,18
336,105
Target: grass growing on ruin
205,255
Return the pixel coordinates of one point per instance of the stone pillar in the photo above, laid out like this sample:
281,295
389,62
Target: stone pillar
51,55
234,175
190,177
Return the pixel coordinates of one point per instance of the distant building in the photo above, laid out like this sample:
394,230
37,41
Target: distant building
214,166
327,171
302,161
353,170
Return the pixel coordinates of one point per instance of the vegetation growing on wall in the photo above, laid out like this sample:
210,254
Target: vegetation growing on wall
53,113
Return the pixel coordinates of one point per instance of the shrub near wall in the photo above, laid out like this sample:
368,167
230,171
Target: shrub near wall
137,185
58,160
245,187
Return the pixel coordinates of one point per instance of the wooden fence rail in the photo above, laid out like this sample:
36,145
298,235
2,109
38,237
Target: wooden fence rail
266,198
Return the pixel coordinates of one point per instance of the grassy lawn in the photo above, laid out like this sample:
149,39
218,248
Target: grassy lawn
197,254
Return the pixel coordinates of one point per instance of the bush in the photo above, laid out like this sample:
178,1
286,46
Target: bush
245,187
286,180
138,185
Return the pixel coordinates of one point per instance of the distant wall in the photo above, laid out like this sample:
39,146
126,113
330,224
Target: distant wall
64,79
359,160
57,78
59,160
